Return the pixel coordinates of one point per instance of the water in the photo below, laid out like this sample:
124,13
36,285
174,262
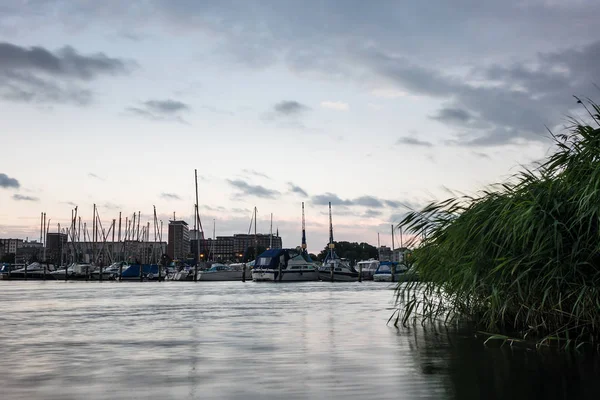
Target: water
233,340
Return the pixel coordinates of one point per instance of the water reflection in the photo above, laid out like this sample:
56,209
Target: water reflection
224,340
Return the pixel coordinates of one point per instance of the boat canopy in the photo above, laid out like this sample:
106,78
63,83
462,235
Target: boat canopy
134,270
385,267
270,259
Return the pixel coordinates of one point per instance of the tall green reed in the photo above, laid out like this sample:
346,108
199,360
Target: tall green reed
522,256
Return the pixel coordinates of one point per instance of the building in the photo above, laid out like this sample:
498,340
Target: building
194,245
385,253
10,246
179,240
234,248
31,251
55,243
399,254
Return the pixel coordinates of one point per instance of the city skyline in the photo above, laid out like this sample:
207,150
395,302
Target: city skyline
378,108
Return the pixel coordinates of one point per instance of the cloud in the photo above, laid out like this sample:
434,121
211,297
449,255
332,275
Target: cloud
36,74
413,142
111,206
297,189
511,87
255,173
368,201
361,201
8,182
290,108
92,175
453,116
324,199
335,105
20,197
372,214
70,203
388,93
253,190
481,155
170,196
160,110
166,106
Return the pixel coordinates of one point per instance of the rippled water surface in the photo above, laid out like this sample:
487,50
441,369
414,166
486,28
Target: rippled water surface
233,340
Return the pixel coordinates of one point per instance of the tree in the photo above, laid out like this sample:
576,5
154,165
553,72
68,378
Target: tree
352,251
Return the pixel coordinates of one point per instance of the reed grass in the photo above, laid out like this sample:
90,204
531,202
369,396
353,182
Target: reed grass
522,256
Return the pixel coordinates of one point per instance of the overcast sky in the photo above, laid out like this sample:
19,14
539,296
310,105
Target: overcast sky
376,106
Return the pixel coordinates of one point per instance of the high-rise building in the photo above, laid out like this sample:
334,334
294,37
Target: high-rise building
179,240
55,244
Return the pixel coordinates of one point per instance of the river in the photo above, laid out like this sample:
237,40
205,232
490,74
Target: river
234,340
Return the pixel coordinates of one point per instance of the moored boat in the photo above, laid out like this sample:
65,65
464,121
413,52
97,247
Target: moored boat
33,271
335,268
284,265
367,268
223,272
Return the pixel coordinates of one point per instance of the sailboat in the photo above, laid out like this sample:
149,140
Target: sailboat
286,264
334,268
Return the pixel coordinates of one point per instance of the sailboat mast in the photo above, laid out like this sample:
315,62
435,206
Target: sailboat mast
303,231
401,244
271,233
331,245
255,237
392,237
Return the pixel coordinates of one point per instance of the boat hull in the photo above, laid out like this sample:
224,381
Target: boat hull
272,275
325,275
30,276
382,277
222,276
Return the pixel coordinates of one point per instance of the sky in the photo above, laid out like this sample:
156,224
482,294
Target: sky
379,107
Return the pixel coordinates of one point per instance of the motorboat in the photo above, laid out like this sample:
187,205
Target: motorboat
284,265
34,271
367,268
389,271
74,272
223,272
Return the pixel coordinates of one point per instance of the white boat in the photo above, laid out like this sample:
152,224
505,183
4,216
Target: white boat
75,272
287,265
223,272
34,270
389,271
367,268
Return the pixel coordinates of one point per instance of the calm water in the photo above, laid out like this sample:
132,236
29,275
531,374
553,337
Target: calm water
230,340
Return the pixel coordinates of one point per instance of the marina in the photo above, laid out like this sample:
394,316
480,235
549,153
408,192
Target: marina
133,257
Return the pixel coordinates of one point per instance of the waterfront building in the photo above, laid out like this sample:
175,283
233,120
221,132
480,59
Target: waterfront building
55,243
179,240
233,248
